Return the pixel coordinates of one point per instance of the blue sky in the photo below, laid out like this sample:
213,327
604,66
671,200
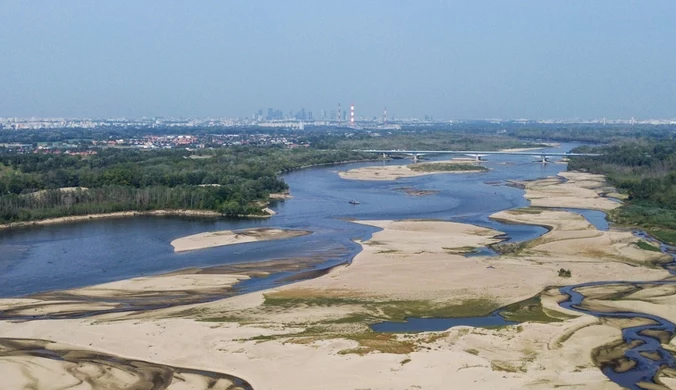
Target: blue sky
449,59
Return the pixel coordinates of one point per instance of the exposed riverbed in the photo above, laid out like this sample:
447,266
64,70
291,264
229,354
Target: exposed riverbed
37,260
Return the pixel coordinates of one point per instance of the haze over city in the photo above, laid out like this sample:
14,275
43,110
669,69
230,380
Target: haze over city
445,59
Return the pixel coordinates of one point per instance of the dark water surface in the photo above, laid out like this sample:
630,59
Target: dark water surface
441,324
54,257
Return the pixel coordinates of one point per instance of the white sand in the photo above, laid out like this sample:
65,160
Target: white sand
394,172
230,237
406,260
580,191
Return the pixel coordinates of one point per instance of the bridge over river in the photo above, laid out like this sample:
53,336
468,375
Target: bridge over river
543,156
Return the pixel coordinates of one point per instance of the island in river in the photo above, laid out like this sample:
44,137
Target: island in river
229,237
393,172
316,331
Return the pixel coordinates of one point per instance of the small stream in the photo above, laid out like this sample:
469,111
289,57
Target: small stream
641,344
645,355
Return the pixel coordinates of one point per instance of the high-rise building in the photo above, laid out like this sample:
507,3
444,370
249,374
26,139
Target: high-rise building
309,115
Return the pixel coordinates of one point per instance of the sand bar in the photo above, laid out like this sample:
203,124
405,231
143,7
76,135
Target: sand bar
301,345
571,189
394,172
231,237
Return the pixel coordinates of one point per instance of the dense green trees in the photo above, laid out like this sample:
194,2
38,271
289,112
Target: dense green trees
646,170
233,181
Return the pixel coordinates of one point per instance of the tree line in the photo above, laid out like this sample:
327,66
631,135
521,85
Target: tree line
646,170
233,181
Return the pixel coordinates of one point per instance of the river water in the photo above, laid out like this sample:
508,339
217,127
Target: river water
55,257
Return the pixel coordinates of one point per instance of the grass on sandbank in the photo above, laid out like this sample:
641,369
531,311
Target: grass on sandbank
531,310
447,167
377,310
647,246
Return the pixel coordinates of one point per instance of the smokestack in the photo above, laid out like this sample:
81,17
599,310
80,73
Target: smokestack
385,116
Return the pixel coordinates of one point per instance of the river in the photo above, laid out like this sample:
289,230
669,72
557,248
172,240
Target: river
55,257
70,255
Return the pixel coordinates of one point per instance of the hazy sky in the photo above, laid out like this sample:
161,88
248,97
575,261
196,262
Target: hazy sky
449,59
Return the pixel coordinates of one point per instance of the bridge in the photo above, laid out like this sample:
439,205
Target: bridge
543,156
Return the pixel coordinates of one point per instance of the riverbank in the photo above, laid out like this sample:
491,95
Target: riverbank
394,172
266,212
409,268
121,214
315,333
231,237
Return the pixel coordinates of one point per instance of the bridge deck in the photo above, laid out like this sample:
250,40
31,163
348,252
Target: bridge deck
478,152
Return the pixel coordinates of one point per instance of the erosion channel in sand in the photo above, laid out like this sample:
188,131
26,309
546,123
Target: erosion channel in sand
316,332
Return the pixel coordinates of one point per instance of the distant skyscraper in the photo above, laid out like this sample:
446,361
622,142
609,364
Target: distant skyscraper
309,115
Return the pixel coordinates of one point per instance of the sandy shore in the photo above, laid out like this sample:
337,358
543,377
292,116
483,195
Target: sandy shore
121,214
313,334
231,237
394,172
578,190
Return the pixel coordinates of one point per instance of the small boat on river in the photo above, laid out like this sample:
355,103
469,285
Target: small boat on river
353,201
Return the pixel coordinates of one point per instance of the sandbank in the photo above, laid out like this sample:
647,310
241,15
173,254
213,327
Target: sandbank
231,237
313,334
570,189
394,172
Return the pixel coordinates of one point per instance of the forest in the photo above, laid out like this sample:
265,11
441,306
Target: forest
646,170
233,181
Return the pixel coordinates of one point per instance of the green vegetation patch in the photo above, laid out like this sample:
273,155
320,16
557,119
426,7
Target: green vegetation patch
461,250
565,273
646,170
377,310
526,210
378,342
400,310
447,167
531,310
658,221
509,248
647,246
234,181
